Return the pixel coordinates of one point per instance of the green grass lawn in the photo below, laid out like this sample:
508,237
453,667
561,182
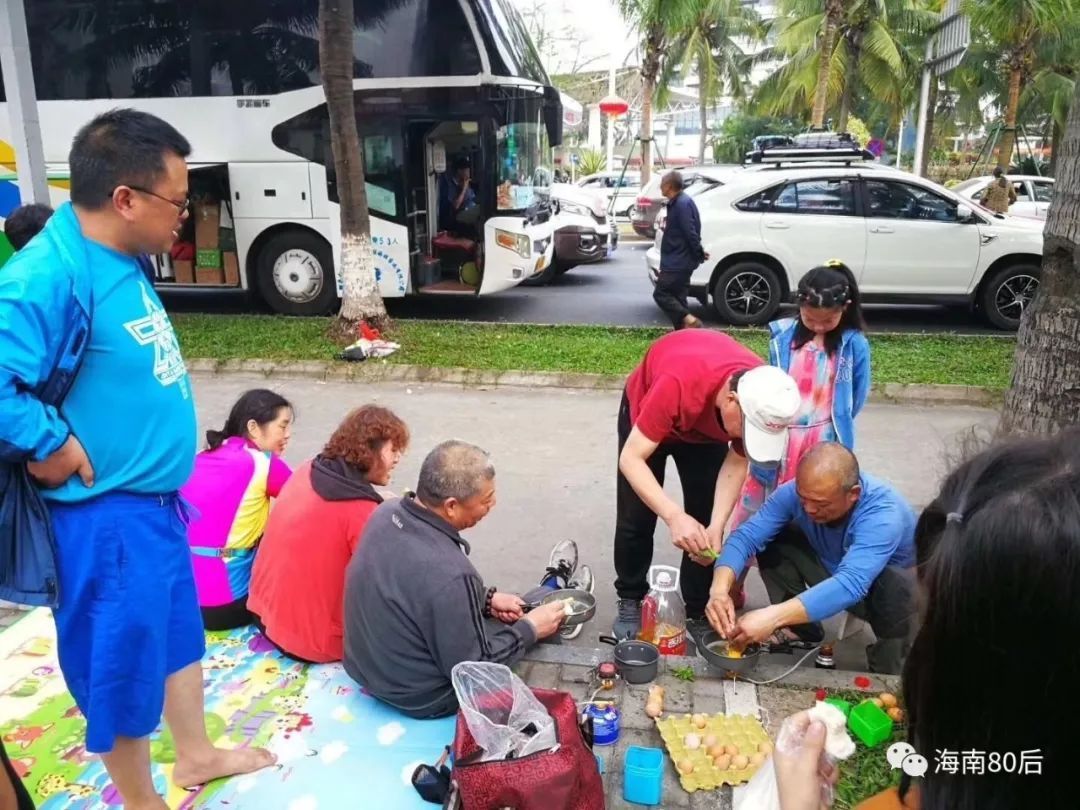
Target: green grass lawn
937,359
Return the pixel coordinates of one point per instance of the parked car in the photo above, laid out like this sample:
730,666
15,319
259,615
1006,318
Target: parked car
650,201
1033,193
907,240
584,231
623,188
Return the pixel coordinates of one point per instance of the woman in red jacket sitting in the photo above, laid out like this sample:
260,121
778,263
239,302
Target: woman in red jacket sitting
297,587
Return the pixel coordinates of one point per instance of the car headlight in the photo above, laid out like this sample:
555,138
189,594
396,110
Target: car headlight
574,208
517,242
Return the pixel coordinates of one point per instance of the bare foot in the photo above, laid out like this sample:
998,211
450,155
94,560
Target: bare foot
219,763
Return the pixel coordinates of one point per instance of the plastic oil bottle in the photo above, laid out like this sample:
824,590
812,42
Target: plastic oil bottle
663,614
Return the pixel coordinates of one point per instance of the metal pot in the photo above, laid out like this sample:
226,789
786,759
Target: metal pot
581,598
637,661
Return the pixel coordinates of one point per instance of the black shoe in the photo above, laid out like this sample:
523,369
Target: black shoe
695,632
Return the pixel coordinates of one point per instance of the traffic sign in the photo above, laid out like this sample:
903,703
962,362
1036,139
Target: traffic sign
952,40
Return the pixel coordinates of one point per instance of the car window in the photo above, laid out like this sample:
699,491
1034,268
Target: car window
593,183
833,196
1044,192
892,200
761,201
1021,191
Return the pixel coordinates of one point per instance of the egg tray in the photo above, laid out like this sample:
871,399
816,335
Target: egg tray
743,731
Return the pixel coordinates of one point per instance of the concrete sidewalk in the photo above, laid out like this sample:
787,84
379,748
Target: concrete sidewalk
555,454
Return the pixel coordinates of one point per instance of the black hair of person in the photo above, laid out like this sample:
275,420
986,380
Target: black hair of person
26,222
829,286
998,554
259,404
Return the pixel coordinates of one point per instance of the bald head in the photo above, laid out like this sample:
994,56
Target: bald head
672,184
827,482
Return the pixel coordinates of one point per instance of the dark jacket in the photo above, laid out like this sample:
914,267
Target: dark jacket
413,609
680,249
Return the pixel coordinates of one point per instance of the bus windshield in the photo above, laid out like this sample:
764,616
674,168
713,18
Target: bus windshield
524,163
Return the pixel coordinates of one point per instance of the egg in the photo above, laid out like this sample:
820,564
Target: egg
686,766
888,700
716,751
897,714
709,741
878,702
722,762
700,720
731,750
757,759
740,762
765,747
654,710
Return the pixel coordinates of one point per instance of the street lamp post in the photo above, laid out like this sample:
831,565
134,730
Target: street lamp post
18,78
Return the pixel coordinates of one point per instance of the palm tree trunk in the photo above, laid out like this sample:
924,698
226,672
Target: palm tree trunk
1008,138
1055,144
931,110
703,101
360,298
650,71
1044,396
833,11
850,82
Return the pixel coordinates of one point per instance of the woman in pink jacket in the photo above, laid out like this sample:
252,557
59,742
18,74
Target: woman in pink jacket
231,487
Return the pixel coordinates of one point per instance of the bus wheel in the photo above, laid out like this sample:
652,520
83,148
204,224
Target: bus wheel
295,274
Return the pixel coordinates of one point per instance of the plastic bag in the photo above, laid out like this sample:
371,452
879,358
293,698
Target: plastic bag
502,713
762,792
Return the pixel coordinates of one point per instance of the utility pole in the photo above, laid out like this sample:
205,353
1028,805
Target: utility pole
22,103
946,47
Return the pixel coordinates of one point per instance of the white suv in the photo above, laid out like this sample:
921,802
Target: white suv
907,240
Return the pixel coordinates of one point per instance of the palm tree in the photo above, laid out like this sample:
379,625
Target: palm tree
1042,398
1019,28
711,47
876,53
360,297
658,23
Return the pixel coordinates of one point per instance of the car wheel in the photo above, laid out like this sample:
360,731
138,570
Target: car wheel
294,273
747,294
1007,293
547,276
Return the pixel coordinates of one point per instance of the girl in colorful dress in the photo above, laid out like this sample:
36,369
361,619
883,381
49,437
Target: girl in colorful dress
826,351
231,487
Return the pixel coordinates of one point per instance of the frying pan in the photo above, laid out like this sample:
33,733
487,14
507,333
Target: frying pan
580,597
733,666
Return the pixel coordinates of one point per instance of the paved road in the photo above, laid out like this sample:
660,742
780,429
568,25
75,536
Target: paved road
554,451
615,292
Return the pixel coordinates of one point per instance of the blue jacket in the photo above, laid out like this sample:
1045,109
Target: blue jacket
879,531
680,248
44,330
851,385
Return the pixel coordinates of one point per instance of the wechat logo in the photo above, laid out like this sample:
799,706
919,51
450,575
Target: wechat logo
902,755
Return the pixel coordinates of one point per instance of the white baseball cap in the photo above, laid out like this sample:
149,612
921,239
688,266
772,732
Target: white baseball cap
770,401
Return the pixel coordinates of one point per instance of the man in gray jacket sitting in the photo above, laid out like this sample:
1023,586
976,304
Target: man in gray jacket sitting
414,604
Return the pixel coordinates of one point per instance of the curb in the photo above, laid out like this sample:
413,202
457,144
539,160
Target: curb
381,372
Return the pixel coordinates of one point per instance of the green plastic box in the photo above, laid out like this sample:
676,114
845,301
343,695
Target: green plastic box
870,724
841,704
207,258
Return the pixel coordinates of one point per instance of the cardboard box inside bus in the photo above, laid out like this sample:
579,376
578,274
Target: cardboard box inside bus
207,224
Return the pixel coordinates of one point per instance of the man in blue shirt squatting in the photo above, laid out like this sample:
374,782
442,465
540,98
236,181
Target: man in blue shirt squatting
833,539
111,460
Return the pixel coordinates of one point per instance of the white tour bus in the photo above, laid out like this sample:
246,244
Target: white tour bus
437,81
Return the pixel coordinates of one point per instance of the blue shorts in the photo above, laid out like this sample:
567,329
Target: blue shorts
129,613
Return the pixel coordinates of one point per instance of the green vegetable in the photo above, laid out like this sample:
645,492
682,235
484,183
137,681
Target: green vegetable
684,674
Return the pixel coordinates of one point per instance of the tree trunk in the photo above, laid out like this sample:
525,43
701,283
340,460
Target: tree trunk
703,101
1008,136
1055,143
1045,392
850,82
931,115
833,11
360,291
650,70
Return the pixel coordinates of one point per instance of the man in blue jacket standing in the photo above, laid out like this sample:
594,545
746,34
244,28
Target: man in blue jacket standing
681,253
111,459
833,539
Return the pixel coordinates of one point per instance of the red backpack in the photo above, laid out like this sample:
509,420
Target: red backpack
564,778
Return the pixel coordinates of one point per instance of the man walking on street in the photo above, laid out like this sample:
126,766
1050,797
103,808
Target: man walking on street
113,457
681,253
696,393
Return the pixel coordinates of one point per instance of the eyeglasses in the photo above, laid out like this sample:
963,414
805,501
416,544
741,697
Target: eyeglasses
180,206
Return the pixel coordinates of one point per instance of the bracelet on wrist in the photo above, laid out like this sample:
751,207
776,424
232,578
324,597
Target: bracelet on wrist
490,595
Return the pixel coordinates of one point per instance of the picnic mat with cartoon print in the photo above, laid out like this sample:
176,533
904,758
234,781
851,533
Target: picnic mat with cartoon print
336,745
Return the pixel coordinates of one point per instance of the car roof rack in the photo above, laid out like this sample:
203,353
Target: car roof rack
794,155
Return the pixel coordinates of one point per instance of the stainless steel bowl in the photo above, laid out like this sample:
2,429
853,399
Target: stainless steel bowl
581,598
